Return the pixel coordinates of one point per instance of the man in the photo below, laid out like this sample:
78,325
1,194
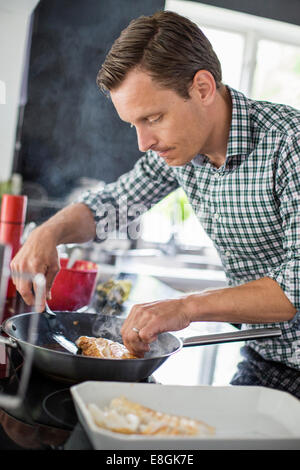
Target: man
238,162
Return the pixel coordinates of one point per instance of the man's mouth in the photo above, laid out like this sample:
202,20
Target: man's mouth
163,152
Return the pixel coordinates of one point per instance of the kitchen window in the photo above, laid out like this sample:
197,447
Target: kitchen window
277,73
259,57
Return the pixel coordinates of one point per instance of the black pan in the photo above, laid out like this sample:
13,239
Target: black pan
53,360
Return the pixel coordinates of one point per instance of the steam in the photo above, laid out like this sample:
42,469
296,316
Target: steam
110,328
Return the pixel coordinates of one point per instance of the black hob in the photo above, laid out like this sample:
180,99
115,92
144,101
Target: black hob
47,418
47,415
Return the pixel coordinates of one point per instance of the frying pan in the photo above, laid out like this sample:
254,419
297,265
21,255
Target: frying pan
53,360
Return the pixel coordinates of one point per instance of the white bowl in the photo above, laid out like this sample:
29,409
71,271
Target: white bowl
244,417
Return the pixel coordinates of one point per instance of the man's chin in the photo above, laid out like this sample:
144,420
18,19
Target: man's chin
173,160
176,161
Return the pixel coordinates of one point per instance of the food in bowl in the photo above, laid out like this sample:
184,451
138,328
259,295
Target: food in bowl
103,348
129,417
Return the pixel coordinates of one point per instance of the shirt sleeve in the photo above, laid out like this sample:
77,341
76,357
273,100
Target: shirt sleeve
287,186
119,204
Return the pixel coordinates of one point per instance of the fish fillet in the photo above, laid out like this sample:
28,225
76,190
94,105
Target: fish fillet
128,417
104,348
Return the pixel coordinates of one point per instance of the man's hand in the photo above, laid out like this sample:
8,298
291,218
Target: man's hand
37,255
74,224
151,319
259,301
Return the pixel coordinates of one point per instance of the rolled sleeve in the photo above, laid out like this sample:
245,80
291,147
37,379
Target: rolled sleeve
287,275
119,204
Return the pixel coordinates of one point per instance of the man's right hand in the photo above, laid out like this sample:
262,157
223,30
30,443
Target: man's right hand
73,224
37,255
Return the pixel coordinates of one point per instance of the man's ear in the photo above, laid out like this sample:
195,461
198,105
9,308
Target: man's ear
204,86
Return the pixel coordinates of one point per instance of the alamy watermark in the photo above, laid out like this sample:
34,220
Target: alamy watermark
127,217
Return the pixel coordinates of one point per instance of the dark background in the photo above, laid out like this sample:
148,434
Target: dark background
280,10
67,127
70,129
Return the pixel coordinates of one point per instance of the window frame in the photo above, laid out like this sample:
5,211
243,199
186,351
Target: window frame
253,28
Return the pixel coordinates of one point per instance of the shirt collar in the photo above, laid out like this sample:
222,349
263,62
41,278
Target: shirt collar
240,139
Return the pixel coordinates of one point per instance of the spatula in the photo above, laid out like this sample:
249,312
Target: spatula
58,337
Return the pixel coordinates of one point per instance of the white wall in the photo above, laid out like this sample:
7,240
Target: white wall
14,28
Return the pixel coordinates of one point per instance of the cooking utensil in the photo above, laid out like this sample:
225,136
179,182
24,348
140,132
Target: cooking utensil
56,335
14,401
48,311
75,255
53,360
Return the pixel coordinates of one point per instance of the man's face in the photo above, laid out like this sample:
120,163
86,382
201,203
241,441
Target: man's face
176,128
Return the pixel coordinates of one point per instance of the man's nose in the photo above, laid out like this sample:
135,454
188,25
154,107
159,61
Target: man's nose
146,139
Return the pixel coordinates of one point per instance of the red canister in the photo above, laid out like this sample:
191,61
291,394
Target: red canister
12,220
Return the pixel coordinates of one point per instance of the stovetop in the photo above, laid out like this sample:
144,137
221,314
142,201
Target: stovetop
46,419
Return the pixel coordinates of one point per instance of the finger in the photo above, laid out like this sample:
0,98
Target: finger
24,287
49,273
138,349
148,336
132,339
13,273
39,297
50,276
150,331
135,344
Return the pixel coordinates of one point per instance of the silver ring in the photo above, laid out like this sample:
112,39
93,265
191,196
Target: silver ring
136,330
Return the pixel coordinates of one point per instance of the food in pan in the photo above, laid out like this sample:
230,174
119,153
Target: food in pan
102,347
128,417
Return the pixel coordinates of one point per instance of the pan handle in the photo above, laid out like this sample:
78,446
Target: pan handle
243,335
7,341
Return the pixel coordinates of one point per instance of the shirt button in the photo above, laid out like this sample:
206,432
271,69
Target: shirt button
227,253
216,216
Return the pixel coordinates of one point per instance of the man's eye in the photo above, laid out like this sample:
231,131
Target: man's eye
154,121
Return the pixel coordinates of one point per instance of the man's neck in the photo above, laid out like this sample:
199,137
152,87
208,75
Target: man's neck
221,129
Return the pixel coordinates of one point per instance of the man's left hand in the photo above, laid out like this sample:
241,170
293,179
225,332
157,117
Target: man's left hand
145,321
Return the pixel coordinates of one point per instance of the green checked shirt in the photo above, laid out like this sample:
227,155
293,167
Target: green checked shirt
249,207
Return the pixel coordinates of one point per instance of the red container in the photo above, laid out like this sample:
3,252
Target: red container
12,219
73,288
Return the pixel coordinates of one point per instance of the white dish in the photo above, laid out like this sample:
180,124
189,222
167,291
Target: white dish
244,417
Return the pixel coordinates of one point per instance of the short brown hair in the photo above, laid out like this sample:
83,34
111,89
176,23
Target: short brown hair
168,46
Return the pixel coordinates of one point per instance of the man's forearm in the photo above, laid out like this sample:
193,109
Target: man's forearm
74,224
260,301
